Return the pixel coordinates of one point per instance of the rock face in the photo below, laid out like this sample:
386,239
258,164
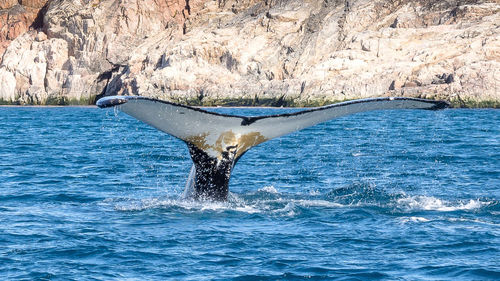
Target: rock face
274,52
16,17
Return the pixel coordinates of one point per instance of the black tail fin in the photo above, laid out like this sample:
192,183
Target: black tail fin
217,141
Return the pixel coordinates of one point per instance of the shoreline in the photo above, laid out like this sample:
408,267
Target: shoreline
492,104
207,106
195,106
43,105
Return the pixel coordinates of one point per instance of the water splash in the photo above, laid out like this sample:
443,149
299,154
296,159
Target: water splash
431,203
268,201
268,189
414,219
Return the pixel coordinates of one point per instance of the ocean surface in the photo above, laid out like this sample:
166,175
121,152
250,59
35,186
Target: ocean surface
92,194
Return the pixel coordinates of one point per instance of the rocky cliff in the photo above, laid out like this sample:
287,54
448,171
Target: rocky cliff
273,52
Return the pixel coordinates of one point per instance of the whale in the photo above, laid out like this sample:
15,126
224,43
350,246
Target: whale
217,141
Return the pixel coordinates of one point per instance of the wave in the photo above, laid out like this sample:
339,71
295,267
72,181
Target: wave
182,204
430,203
360,196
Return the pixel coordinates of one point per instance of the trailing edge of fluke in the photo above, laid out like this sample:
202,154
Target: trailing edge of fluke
217,141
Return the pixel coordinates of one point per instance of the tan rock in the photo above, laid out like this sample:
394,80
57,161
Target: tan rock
7,86
41,37
7,4
16,19
37,4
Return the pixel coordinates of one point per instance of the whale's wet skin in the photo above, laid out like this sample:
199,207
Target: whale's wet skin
85,193
217,141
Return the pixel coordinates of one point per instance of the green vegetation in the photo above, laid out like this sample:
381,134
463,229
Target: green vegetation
280,102
3,102
469,103
54,101
72,101
283,102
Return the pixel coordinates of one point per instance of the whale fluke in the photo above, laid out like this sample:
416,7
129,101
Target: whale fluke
216,141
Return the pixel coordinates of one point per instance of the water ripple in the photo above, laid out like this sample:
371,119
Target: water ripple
399,195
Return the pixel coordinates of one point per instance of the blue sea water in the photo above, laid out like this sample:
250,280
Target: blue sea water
90,194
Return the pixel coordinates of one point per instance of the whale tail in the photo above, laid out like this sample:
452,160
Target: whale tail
216,141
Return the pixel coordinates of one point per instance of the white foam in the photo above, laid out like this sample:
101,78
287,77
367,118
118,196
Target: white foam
247,209
191,205
430,203
413,219
208,205
314,192
318,203
288,206
288,210
268,189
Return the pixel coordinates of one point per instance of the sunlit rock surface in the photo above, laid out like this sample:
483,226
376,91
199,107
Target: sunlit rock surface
253,52
18,16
